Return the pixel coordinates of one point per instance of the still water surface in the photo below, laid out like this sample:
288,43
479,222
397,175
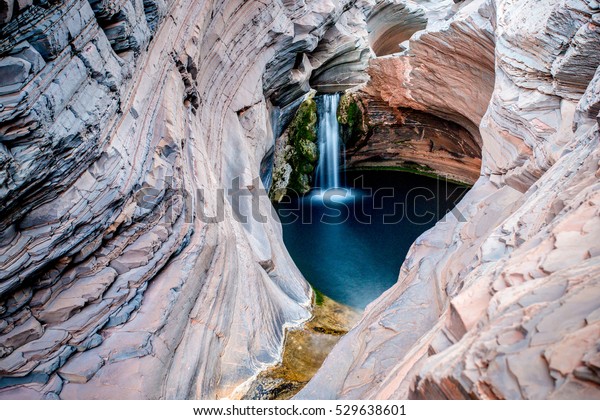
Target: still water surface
350,242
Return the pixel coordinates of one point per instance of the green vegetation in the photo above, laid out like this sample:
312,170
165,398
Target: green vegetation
350,117
304,124
295,167
319,297
305,153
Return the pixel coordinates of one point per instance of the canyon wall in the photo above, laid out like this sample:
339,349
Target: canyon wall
131,137
501,298
413,115
133,134
381,127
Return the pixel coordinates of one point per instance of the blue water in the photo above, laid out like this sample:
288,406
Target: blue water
350,242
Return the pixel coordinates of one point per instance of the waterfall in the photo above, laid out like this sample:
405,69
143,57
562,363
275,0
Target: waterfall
328,168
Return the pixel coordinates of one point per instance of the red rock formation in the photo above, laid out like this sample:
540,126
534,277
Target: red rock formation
120,122
446,77
406,138
504,301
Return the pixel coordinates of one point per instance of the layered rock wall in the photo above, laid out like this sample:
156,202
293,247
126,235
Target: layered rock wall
414,116
392,138
131,136
500,299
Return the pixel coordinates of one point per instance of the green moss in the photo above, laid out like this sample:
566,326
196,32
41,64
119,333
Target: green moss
304,150
354,115
304,124
351,119
300,183
319,297
295,162
307,168
308,151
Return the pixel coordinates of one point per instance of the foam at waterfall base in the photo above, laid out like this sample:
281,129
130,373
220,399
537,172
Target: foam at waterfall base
333,195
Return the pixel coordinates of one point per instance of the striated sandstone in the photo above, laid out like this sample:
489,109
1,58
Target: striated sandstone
120,120
423,106
119,123
501,302
396,137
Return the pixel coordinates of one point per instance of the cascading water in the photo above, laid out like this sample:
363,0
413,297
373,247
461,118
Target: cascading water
349,240
328,168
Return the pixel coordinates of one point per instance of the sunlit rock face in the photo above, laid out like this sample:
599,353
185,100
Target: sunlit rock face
500,299
120,122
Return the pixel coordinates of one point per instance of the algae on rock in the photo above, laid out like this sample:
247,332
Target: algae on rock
296,153
350,115
305,349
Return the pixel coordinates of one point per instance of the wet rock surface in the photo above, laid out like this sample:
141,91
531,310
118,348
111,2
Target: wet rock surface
305,349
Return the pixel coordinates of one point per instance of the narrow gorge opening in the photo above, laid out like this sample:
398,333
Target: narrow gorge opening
141,258
348,229
350,233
